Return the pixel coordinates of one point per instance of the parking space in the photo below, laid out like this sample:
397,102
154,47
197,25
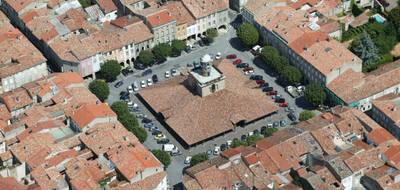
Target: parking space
225,45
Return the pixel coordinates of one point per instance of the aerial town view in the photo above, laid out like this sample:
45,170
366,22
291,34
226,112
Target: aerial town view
199,94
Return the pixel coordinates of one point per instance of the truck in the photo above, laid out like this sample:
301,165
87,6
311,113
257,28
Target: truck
169,147
292,91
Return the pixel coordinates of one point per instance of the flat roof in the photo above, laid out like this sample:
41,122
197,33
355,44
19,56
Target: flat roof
214,74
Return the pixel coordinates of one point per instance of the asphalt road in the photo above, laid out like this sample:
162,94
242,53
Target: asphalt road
226,43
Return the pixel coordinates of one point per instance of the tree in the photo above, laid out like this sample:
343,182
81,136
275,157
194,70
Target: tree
267,132
253,139
314,94
177,47
394,18
162,51
248,34
201,157
291,74
100,89
110,70
306,115
211,33
271,56
162,156
146,57
355,10
120,108
365,48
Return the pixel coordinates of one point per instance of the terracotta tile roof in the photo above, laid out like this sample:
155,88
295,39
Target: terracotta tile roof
84,174
49,178
10,183
354,86
393,155
18,5
179,12
298,4
308,39
5,115
182,108
380,136
202,8
150,182
369,158
232,151
87,113
6,155
159,18
389,105
16,99
107,5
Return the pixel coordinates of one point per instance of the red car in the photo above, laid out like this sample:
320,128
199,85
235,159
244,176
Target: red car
237,62
284,104
272,93
231,56
259,82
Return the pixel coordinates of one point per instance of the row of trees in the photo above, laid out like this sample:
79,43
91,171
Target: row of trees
160,52
129,120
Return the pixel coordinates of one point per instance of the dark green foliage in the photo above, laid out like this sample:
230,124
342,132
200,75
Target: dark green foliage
365,48
268,131
248,34
394,18
110,70
162,156
146,57
315,94
271,56
253,139
236,142
129,120
201,157
100,89
291,74
356,10
306,115
162,51
85,3
211,34
177,47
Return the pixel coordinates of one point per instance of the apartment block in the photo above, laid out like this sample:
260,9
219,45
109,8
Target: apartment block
20,61
385,112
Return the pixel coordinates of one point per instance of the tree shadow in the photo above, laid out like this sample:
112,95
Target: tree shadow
237,44
302,103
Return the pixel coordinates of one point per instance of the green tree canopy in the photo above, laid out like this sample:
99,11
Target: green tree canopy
251,140
146,57
211,34
162,51
267,132
394,18
315,94
198,158
248,34
306,115
365,48
236,142
100,89
271,56
110,70
162,156
177,47
291,74
120,108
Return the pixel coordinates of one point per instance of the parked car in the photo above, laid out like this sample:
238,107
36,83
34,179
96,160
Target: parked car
160,136
130,89
118,84
149,82
229,143
248,70
139,66
155,132
148,125
168,147
135,86
283,123
143,84
237,61
292,116
176,152
264,85
275,124
259,82
160,61
167,74
276,97
217,149
124,95
242,65
188,159
284,104
127,71
209,152
146,120
223,147
196,64
218,56
147,72
174,72
268,89
155,78
279,99
231,56
256,77
272,93
188,49
163,141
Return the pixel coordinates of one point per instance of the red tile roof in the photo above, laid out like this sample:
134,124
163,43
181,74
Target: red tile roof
107,5
159,18
87,113
380,136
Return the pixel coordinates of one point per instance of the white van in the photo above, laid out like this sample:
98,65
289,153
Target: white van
168,147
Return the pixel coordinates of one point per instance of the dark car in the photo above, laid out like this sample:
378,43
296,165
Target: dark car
272,93
154,78
123,92
146,120
160,61
188,49
223,147
148,125
163,141
256,77
118,84
128,70
196,64
264,85
260,82
124,97
231,56
292,117
147,72
242,65
268,89
280,100
155,132
139,66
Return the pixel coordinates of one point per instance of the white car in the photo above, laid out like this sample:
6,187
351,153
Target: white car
174,72
218,56
130,89
216,150
135,86
229,143
188,159
167,74
143,84
149,82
